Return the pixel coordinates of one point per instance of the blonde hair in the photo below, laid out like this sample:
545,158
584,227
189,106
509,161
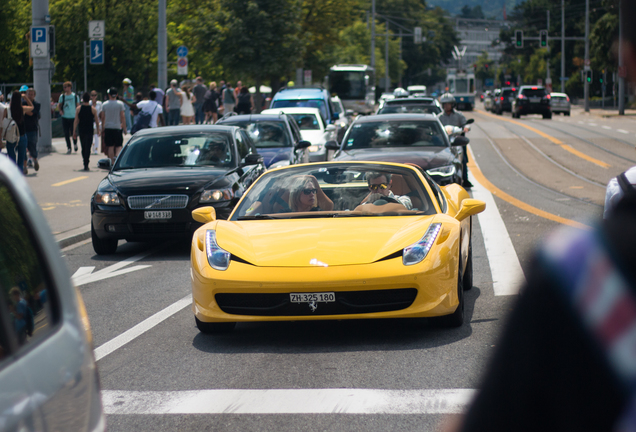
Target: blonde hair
296,191
212,85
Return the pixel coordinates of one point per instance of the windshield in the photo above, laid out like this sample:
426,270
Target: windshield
306,121
414,109
178,150
347,84
396,133
265,134
534,92
309,103
336,190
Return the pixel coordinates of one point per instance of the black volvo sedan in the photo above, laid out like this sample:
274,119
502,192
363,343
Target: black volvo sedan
162,174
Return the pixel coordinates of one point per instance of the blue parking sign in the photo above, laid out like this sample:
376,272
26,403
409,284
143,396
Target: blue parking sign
38,34
97,51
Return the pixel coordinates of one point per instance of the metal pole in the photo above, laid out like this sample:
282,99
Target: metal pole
399,71
42,79
587,55
162,47
373,34
548,80
387,81
85,74
562,46
621,64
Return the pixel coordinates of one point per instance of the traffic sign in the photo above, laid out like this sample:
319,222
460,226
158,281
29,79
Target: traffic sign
97,51
307,79
182,51
96,29
182,66
39,42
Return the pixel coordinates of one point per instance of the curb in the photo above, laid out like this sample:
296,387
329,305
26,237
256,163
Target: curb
77,235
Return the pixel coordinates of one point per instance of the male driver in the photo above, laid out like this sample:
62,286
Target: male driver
114,123
454,118
67,104
380,187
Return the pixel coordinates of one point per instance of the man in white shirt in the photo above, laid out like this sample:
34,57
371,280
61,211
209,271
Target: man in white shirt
114,124
153,108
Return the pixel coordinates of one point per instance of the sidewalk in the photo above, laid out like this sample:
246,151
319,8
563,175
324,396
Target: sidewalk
607,112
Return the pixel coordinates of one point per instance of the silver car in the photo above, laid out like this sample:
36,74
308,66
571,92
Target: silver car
560,103
48,377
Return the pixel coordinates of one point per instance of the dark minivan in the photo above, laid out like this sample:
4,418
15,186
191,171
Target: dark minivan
503,101
532,100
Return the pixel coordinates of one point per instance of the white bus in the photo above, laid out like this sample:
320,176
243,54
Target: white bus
462,85
355,86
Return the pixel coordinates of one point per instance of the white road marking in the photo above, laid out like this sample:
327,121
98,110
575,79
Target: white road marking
136,331
288,401
606,127
85,275
592,124
507,275
580,122
623,131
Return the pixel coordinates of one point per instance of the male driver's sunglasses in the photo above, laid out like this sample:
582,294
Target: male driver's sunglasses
309,191
375,187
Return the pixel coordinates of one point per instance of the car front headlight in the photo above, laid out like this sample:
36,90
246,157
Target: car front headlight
416,253
219,259
215,195
314,148
444,171
107,198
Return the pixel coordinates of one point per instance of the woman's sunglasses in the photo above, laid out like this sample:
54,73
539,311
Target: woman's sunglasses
375,187
309,191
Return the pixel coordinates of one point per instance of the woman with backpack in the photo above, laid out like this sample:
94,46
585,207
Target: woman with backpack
85,117
15,133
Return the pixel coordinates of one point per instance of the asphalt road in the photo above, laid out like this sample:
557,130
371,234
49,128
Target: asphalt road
165,375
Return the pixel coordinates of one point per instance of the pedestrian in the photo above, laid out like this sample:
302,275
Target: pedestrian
199,91
66,105
187,108
86,121
229,100
210,106
153,108
17,150
237,89
32,125
128,95
160,94
173,103
98,107
245,103
113,123
19,310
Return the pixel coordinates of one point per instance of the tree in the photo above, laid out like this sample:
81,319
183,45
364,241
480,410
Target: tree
259,38
15,19
484,69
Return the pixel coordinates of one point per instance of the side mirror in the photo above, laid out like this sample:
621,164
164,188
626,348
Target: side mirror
205,214
253,159
330,128
459,141
106,164
301,145
470,207
470,121
332,145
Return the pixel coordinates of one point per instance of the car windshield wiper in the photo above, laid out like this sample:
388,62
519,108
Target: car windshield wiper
256,217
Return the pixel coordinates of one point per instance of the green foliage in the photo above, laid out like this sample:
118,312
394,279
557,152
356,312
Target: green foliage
481,71
15,21
603,36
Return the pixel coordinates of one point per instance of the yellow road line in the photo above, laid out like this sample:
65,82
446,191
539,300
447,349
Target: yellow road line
479,176
62,183
556,141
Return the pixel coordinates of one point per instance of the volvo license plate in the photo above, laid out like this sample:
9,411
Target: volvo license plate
166,214
321,297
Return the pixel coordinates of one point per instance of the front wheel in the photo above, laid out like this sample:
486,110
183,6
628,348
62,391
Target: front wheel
214,328
103,247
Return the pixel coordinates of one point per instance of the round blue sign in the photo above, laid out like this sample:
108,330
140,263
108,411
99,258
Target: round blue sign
182,51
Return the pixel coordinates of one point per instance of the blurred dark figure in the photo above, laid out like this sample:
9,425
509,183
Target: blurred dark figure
566,360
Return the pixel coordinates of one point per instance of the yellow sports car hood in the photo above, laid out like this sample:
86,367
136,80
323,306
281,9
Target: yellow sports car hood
323,241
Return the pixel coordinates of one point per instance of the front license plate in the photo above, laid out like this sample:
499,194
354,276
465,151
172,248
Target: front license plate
324,297
158,214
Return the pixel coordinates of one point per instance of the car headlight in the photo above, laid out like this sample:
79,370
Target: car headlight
416,253
107,198
219,259
444,171
214,195
314,148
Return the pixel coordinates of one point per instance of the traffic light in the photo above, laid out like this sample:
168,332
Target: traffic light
600,78
543,36
486,66
588,76
519,39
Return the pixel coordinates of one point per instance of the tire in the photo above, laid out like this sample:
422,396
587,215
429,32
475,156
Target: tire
567,113
499,112
467,279
547,116
456,319
103,247
214,328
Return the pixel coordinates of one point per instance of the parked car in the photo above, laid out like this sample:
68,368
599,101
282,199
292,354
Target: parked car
48,377
560,103
333,241
161,175
411,105
418,139
276,136
532,100
503,101
312,129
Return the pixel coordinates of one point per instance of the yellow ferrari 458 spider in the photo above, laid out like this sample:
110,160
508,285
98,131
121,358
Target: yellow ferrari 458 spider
335,240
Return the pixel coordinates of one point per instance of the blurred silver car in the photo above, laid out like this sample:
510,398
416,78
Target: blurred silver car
560,103
48,377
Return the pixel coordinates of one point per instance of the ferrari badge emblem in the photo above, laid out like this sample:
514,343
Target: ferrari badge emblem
313,306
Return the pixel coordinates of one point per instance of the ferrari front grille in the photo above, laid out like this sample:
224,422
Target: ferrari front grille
157,202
